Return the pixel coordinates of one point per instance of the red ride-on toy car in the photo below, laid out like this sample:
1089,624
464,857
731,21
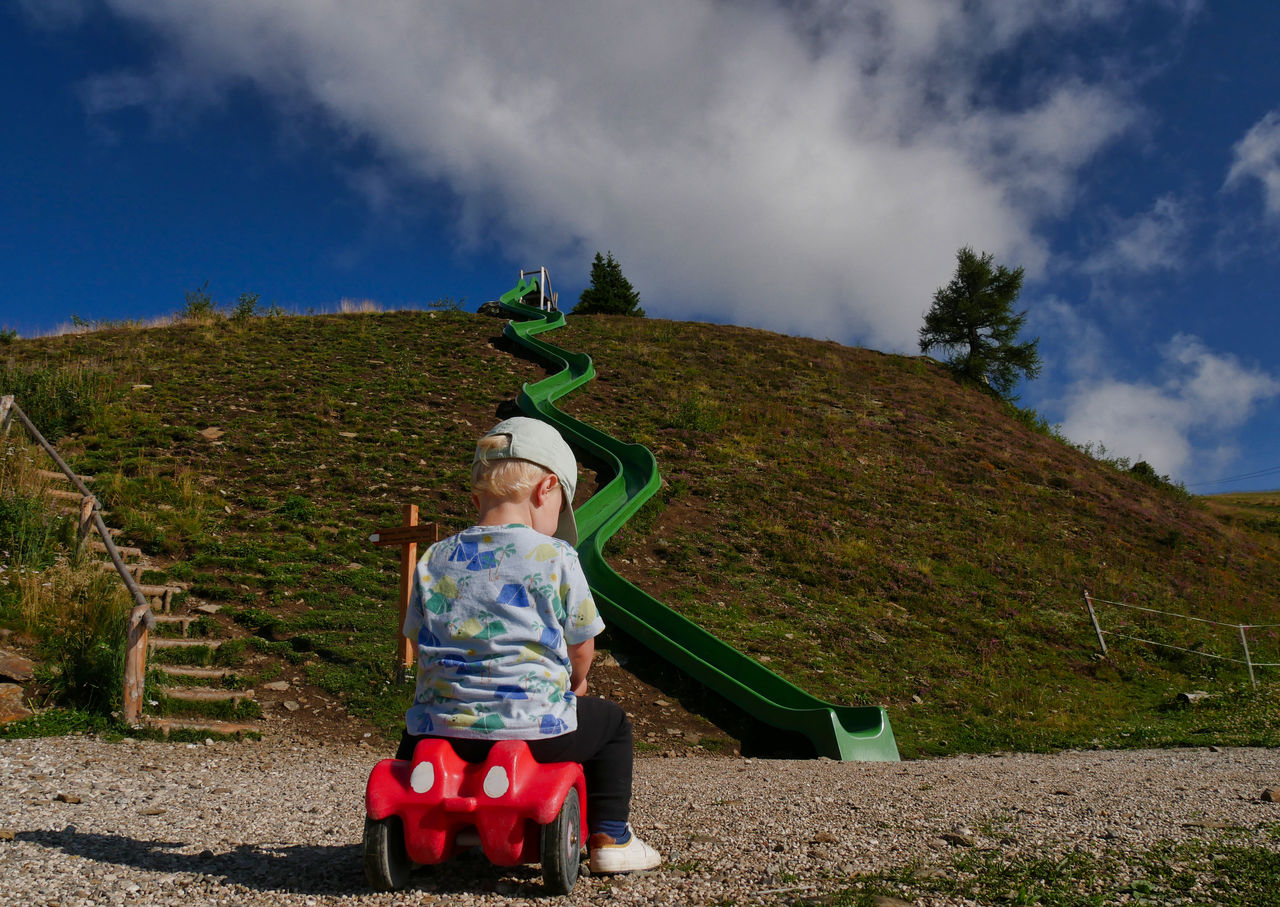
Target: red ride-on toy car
517,809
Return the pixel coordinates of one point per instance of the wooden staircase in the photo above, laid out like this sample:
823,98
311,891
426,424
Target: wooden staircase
200,697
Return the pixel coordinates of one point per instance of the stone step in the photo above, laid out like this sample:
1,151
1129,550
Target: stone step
193,672
71,497
230,728
206,694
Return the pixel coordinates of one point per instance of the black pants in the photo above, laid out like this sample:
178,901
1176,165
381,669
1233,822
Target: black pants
602,743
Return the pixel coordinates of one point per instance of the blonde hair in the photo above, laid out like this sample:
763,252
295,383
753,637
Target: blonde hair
502,477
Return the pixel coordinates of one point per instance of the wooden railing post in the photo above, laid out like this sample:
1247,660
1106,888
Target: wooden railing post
135,664
6,413
86,522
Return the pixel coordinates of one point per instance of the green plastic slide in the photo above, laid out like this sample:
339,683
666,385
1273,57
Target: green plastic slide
840,732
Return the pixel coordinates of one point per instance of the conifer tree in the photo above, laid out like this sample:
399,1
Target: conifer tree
973,321
610,292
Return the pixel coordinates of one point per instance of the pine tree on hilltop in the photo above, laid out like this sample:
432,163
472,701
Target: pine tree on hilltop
972,319
610,292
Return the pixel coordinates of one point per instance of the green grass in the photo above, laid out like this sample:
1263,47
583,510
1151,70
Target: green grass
60,399
244,710
32,534
880,533
1228,870
60,723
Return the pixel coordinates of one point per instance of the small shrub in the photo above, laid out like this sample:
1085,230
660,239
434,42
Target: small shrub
199,305
1145,472
298,509
81,618
246,307
7,336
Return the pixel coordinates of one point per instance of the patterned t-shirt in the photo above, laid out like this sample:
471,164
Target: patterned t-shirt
494,609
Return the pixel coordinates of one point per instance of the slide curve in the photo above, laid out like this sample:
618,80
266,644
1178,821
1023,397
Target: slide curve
839,732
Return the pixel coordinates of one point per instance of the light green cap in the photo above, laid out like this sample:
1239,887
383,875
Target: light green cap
538,442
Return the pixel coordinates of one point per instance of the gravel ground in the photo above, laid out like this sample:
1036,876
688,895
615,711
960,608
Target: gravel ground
279,821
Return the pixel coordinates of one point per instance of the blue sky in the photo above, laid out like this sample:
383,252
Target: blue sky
809,167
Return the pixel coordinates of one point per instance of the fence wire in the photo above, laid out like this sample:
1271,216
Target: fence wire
1203,620
1240,629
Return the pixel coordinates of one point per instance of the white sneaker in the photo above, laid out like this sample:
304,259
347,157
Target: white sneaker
607,856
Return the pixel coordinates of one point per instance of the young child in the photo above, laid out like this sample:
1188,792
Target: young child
506,632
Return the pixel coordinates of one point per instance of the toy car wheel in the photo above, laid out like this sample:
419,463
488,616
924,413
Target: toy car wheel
386,863
562,846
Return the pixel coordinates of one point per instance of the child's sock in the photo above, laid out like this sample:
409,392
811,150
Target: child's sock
619,831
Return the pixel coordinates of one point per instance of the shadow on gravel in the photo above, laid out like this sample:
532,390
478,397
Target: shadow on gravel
297,868
301,868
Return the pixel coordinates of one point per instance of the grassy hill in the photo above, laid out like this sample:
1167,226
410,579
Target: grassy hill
870,529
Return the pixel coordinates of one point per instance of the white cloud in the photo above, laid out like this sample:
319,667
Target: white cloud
1182,425
810,169
1257,156
1148,242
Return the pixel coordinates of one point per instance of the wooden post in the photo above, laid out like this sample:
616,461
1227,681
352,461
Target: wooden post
408,562
6,412
86,521
1244,641
135,664
407,536
1094,617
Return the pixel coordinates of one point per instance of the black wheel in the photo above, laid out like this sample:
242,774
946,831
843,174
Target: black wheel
562,846
386,864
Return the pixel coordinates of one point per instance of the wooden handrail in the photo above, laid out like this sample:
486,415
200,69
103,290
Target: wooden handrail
141,620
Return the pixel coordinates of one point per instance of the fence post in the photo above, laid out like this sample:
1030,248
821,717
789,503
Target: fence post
1247,659
6,412
1094,617
135,665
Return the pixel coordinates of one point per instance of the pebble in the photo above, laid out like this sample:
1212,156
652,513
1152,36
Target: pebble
280,822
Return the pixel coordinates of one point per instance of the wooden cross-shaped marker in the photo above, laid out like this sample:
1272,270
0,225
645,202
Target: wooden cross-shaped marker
407,535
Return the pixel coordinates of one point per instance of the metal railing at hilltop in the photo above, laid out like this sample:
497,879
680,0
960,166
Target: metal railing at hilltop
1242,631
141,620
